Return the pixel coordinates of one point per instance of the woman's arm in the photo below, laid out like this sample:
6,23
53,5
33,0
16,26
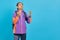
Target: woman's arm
28,17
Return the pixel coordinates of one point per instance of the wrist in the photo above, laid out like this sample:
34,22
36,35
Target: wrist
29,16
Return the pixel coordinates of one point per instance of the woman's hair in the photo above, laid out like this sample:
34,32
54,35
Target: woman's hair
18,3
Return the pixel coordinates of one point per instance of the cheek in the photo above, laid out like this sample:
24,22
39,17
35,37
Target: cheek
20,6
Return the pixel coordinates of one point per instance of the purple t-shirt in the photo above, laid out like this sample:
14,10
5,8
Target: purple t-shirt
21,25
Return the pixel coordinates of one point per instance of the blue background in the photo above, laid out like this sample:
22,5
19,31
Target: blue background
45,19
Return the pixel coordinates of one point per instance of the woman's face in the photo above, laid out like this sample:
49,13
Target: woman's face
20,6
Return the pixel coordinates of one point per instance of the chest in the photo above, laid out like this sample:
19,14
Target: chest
22,16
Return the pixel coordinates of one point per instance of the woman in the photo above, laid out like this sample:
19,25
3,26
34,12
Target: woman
19,19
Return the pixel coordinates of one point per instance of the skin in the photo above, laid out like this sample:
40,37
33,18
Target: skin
20,6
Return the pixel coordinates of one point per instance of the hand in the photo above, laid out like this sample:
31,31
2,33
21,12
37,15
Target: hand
30,12
18,14
30,19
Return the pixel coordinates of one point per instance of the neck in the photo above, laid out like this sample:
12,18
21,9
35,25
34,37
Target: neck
19,9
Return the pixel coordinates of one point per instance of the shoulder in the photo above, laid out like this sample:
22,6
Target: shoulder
15,11
24,12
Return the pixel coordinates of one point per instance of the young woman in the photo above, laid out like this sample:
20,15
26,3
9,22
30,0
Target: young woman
19,18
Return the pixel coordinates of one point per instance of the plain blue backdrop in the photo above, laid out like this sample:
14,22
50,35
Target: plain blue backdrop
45,19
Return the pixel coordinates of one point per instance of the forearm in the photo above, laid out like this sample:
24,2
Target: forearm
29,19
